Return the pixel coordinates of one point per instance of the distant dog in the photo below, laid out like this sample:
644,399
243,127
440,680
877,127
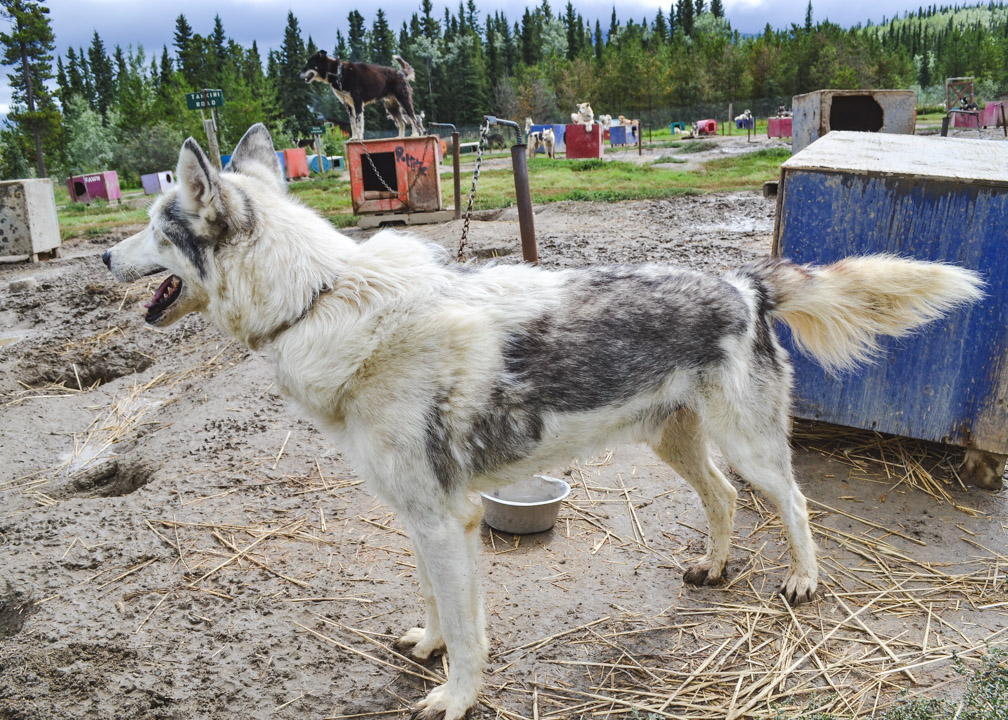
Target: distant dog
437,380
745,119
357,85
605,121
495,140
539,139
584,116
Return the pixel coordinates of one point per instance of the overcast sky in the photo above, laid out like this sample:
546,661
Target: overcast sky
151,24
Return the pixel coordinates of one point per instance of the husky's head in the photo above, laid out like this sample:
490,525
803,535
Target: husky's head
206,215
317,67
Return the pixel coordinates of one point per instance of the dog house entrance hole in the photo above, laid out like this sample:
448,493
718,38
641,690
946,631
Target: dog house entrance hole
80,190
855,112
383,169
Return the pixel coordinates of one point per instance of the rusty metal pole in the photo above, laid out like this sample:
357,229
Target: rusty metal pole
523,194
458,178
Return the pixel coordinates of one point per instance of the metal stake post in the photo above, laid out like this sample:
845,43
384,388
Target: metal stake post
523,194
457,180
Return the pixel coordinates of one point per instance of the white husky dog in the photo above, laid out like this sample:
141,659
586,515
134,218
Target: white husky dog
437,380
544,139
584,116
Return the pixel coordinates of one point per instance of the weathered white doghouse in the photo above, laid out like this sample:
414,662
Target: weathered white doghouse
885,111
28,222
158,182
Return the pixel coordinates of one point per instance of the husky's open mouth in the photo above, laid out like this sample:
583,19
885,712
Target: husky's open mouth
166,294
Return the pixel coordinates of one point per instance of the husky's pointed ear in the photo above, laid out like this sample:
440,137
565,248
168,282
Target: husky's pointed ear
199,183
255,155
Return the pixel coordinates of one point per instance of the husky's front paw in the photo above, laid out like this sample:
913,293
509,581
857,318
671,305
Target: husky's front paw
440,705
703,572
797,589
419,645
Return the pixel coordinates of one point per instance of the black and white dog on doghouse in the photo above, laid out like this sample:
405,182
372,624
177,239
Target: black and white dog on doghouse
360,84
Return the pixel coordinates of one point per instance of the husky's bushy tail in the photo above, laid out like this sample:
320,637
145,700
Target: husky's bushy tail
405,68
838,312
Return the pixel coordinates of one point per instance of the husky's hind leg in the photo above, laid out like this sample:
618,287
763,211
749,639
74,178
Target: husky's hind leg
683,445
754,441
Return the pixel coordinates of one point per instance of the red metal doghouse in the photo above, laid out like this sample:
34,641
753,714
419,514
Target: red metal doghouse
395,175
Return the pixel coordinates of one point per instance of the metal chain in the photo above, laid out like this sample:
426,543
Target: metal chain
484,131
377,174
413,182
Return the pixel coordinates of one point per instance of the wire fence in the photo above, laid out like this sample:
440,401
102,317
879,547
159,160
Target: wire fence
932,97
649,117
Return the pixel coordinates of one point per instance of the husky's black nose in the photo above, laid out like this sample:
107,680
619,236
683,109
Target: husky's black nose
107,258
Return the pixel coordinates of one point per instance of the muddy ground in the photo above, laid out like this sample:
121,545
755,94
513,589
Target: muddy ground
175,543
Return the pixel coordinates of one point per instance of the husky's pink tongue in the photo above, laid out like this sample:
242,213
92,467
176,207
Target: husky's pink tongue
165,293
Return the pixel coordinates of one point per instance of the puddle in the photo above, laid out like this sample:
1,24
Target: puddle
6,340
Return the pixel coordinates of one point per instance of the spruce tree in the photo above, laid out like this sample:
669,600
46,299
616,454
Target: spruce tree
382,40
685,13
28,46
293,96
74,79
101,73
356,37
431,28
187,52
572,25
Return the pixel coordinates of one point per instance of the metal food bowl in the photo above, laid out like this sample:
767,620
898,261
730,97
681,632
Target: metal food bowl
527,506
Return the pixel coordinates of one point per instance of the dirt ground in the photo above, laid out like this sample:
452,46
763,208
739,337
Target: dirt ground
175,543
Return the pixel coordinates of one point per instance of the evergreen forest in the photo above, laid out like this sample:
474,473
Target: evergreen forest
99,107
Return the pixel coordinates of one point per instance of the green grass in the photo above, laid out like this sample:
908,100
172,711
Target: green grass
693,146
985,697
81,220
927,119
329,196
666,159
617,180
550,181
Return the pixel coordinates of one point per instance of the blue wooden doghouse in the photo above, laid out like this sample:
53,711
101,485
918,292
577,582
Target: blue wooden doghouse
621,135
558,136
856,193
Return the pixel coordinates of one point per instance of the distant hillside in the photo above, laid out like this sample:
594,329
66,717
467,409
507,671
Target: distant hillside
934,18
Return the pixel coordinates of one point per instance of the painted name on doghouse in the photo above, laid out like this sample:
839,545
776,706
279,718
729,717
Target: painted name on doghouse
415,164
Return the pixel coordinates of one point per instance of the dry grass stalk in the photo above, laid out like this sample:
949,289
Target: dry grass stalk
917,464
